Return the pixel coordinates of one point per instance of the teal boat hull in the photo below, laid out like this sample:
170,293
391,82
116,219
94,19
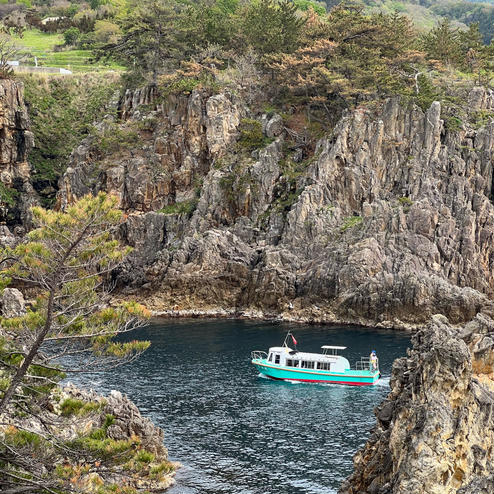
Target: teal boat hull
349,377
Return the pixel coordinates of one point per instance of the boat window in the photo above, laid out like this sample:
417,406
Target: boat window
291,363
270,358
324,365
306,364
277,358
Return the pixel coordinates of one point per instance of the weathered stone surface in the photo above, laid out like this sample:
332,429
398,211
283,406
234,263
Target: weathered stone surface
434,430
7,238
129,422
388,224
274,126
12,303
168,162
16,140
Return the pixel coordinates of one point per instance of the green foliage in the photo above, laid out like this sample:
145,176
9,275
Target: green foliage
107,449
72,406
442,43
304,5
271,26
20,438
482,118
71,35
112,137
162,468
144,456
209,23
78,243
180,85
469,13
251,136
351,222
152,37
405,201
349,57
184,207
8,195
62,112
453,123
428,92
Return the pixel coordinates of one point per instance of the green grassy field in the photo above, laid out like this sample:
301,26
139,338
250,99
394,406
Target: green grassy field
35,43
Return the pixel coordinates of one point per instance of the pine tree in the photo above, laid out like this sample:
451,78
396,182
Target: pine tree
152,40
66,262
271,26
443,43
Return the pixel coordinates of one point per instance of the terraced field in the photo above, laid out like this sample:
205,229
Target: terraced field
35,43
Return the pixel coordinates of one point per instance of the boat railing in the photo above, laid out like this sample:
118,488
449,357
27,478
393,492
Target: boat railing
258,355
366,364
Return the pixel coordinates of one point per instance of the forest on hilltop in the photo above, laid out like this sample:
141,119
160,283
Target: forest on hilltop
271,52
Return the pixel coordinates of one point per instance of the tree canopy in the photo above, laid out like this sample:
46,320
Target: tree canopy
66,262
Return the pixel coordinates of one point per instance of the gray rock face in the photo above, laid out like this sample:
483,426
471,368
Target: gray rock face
16,140
434,430
177,141
389,223
129,422
12,303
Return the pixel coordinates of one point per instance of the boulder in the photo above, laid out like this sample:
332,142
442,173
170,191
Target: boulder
12,303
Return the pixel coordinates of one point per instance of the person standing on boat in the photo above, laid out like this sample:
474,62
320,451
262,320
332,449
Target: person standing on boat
373,360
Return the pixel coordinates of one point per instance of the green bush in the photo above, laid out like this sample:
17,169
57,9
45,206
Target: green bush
453,123
19,438
8,195
251,136
113,137
156,471
72,406
350,222
119,451
405,201
184,207
144,456
62,111
71,35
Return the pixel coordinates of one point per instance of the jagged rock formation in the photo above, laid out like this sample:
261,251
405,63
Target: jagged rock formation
434,430
16,191
177,142
388,223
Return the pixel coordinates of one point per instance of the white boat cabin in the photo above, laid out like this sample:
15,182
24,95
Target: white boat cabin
329,360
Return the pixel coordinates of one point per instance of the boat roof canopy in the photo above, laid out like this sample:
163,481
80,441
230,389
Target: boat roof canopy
329,347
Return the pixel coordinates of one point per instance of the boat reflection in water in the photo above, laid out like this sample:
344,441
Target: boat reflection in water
287,364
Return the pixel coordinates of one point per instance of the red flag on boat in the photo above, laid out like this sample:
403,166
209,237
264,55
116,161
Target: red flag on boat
294,340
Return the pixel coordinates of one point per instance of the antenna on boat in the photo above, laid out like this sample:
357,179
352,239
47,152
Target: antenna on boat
289,334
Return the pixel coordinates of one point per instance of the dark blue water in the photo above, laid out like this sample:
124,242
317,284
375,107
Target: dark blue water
236,432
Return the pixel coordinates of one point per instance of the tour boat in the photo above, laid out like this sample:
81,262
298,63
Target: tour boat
287,364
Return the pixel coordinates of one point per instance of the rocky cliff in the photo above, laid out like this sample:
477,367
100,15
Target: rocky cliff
16,140
434,430
387,222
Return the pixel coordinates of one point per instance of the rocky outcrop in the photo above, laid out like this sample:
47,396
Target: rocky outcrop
115,445
388,223
16,140
12,303
127,420
434,430
162,152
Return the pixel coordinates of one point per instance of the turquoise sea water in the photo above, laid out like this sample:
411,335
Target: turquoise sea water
237,432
